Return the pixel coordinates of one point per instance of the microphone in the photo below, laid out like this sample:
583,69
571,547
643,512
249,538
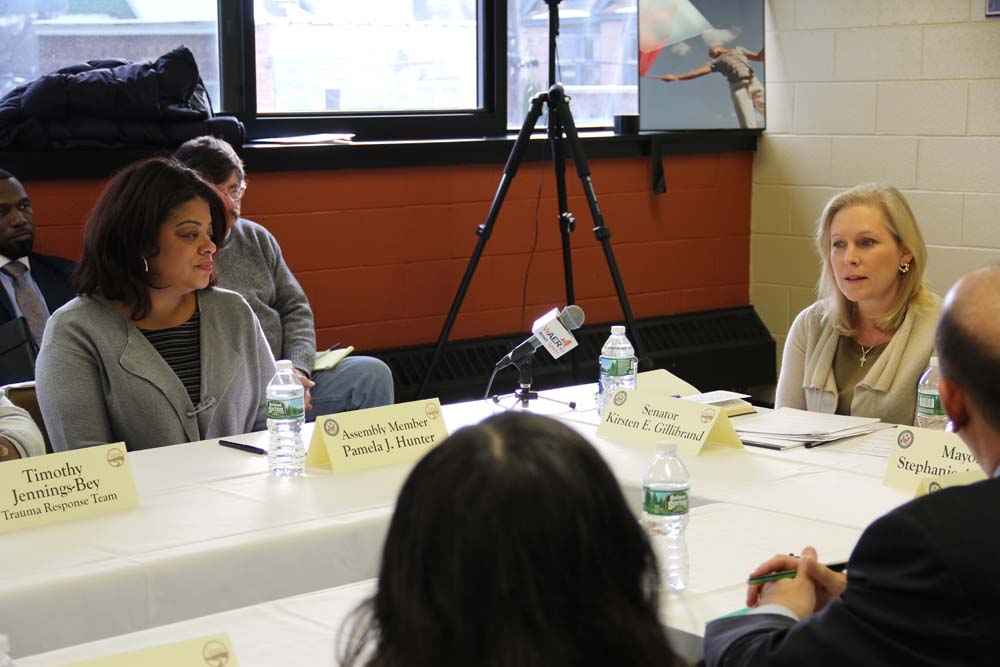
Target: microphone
551,330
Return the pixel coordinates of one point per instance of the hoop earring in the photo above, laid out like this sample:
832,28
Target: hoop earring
904,268
145,264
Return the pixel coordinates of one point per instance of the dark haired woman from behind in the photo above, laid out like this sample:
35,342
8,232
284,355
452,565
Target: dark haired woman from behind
151,353
511,545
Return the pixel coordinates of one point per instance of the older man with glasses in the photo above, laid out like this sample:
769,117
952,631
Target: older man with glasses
249,261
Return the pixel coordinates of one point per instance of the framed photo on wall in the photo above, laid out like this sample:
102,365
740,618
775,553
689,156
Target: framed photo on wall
701,64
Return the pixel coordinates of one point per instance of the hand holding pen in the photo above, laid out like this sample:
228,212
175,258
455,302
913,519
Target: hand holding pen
803,585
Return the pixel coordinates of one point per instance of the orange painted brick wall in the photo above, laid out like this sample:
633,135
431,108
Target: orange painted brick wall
381,252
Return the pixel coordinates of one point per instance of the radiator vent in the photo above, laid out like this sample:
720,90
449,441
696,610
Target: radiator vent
717,349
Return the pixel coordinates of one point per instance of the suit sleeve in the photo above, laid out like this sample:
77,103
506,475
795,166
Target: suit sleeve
793,367
903,605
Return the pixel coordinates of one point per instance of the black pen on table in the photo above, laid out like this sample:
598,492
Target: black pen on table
253,449
788,574
332,347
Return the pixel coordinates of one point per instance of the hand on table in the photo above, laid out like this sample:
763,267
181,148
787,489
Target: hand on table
812,588
307,384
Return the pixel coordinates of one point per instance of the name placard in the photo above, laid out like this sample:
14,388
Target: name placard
921,453
933,484
646,417
375,437
210,651
662,381
64,486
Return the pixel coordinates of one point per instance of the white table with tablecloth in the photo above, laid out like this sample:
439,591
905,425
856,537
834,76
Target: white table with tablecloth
213,532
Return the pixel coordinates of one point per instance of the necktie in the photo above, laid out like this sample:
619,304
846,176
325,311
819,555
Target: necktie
28,299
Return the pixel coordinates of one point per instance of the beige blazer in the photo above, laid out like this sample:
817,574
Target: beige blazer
889,389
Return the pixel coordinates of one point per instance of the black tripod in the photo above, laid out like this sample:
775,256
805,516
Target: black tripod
560,126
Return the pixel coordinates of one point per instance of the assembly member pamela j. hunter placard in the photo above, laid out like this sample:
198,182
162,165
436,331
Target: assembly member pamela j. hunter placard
63,486
387,435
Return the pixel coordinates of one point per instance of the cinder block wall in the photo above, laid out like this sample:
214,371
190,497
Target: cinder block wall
901,91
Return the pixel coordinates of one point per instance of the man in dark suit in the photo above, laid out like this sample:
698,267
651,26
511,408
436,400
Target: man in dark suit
922,586
31,285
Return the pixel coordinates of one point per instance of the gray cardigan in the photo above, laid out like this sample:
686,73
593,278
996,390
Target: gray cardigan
99,380
250,263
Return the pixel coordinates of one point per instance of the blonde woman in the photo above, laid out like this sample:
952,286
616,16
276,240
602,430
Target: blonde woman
860,349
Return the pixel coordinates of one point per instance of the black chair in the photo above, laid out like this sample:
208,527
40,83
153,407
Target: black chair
17,352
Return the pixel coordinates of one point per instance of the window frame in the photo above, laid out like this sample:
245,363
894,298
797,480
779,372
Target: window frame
239,76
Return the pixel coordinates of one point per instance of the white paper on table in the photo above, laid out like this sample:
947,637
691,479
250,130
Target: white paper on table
792,422
875,443
726,542
861,440
716,396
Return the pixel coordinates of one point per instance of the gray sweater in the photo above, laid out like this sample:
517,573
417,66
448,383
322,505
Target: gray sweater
250,262
99,380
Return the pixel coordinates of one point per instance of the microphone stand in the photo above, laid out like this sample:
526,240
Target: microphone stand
523,394
561,125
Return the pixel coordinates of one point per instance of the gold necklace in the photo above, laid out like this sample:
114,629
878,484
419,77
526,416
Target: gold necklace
864,351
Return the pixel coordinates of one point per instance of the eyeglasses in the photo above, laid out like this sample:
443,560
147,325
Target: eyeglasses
24,206
237,191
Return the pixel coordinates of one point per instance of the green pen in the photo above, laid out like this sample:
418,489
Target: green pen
788,574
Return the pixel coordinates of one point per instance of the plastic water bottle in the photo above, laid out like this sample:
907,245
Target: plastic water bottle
930,414
5,659
286,455
618,367
665,513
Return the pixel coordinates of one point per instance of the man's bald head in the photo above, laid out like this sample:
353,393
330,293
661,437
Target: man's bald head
968,339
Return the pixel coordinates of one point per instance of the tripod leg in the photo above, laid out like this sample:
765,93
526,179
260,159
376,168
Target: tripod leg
566,221
557,99
486,229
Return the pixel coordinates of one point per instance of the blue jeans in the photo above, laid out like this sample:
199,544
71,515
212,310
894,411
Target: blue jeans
353,384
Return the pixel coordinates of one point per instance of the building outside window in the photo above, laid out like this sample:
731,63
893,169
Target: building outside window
597,53
390,55
40,36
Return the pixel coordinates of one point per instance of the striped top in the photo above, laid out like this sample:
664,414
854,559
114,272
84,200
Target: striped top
180,347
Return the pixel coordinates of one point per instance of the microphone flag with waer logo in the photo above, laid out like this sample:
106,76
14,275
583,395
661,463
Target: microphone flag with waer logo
555,337
552,331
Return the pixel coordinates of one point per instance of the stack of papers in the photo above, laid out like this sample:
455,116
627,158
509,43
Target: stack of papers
787,427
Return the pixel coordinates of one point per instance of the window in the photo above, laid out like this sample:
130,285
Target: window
393,55
596,55
40,36
387,69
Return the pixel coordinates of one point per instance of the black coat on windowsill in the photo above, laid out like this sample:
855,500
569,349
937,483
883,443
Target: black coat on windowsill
113,104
